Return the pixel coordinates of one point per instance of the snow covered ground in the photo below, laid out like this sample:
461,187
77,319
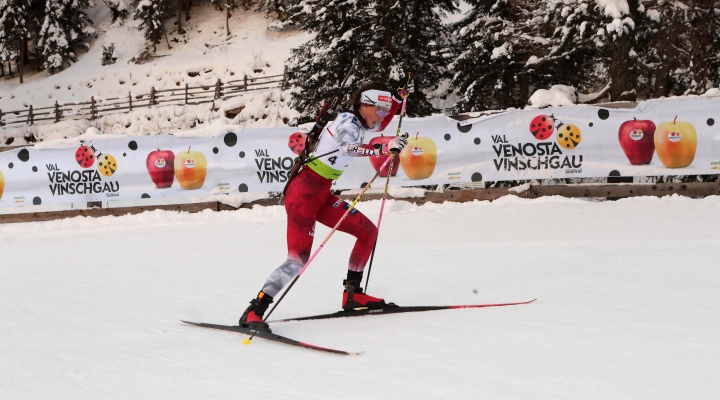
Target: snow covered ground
628,305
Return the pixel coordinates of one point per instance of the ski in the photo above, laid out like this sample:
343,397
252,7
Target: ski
395,310
271,336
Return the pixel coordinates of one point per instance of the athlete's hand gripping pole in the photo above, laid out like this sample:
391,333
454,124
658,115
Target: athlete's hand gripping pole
404,92
312,257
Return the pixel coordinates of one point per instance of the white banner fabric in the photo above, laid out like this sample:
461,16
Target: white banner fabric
660,137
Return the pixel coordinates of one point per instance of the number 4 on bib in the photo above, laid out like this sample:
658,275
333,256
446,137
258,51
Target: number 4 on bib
332,160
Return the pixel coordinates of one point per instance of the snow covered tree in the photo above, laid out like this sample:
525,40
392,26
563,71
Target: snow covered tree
118,9
279,9
394,36
492,54
150,14
14,33
54,44
64,30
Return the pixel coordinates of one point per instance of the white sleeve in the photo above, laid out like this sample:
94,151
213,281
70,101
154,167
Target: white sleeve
347,135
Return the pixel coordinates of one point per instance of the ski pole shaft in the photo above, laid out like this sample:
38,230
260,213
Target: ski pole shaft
387,185
312,257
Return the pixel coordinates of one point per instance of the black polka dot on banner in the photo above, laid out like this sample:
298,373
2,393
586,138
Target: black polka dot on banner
216,150
230,139
242,188
447,136
11,165
37,201
603,113
145,196
124,154
34,169
242,154
591,124
476,177
614,173
363,185
464,128
23,155
710,122
477,140
132,145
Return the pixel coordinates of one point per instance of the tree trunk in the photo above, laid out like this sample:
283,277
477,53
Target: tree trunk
623,68
701,20
227,17
20,62
181,6
187,9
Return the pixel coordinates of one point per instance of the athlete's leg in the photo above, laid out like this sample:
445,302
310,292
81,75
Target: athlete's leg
356,224
304,198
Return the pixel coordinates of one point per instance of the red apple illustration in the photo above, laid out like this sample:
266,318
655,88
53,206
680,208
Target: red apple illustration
377,162
161,167
637,139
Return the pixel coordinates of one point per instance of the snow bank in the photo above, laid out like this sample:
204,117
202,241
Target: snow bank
557,95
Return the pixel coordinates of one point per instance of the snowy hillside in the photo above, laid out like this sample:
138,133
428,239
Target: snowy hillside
627,305
200,57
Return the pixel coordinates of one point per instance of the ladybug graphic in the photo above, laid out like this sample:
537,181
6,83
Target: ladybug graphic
85,156
542,126
107,165
568,136
297,141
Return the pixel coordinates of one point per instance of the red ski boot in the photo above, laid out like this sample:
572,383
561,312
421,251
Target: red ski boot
353,297
253,315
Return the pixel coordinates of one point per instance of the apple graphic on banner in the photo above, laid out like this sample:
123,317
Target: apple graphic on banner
161,167
418,158
637,139
378,161
676,143
190,169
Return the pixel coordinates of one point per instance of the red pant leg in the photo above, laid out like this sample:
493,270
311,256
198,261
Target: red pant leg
356,224
305,197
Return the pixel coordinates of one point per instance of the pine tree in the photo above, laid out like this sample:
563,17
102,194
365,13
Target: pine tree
395,37
118,9
14,15
65,29
150,14
53,42
491,54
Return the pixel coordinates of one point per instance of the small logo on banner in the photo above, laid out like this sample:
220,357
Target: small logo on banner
190,163
417,150
636,134
674,136
160,163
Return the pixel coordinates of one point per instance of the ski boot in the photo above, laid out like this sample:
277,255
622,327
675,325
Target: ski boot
253,315
353,297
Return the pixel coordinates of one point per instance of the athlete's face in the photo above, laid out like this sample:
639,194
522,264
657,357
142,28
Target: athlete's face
372,114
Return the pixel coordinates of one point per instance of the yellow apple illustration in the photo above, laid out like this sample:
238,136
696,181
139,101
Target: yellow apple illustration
676,143
419,157
190,169
2,184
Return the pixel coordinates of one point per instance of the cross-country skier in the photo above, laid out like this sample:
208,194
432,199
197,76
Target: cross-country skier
308,199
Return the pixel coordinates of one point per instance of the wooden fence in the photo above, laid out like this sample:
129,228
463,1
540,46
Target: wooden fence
179,96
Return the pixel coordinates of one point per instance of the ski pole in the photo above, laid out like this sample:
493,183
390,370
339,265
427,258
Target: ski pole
312,257
387,185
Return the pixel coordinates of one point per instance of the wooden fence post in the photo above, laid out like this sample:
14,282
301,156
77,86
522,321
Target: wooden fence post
130,100
152,97
92,107
218,89
30,118
245,84
282,83
58,114
186,92
1,114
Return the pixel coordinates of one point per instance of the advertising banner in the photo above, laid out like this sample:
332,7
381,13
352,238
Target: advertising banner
660,137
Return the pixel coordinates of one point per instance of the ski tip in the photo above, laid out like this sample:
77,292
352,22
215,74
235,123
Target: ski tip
247,341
